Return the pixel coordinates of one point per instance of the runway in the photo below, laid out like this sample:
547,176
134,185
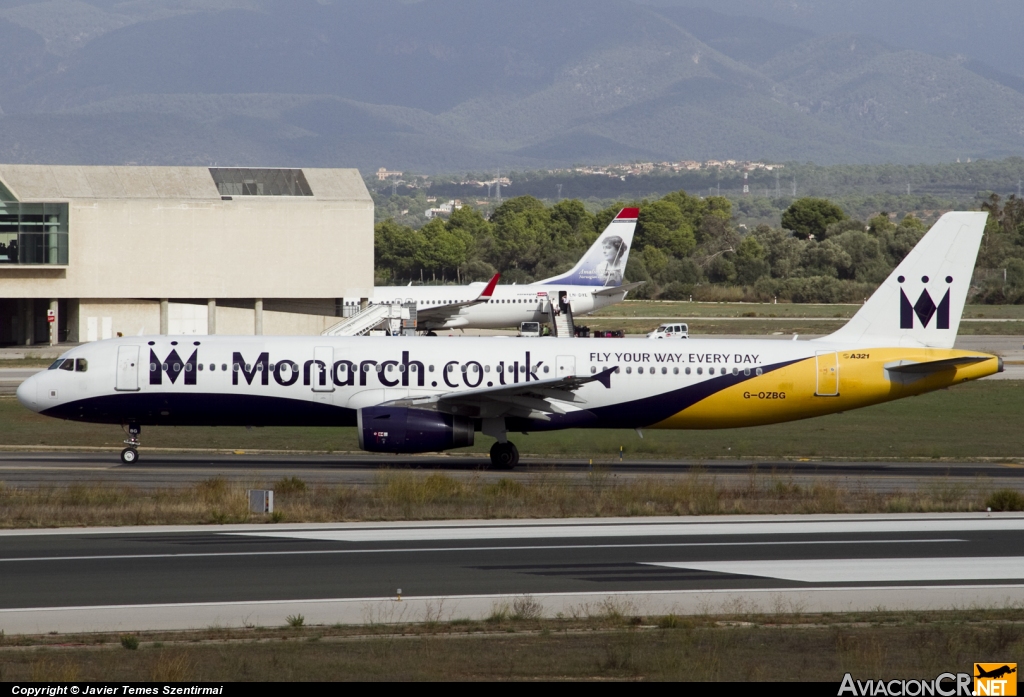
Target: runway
198,576
168,470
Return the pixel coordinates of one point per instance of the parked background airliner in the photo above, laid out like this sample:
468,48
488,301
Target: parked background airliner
422,395
595,282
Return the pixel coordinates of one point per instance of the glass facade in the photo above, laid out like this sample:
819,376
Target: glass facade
33,233
241,181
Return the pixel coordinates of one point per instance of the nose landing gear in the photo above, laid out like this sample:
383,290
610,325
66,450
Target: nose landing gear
505,455
130,455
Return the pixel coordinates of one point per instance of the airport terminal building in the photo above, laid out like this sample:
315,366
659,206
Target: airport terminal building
94,252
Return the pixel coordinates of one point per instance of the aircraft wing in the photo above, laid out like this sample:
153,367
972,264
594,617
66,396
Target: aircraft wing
442,313
534,399
615,290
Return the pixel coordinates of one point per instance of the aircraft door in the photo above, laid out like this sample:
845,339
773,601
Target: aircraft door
565,366
320,372
828,374
127,369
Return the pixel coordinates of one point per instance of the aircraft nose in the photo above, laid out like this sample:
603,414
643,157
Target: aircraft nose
27,393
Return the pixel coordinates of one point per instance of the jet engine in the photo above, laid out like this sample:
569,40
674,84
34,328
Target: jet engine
405,430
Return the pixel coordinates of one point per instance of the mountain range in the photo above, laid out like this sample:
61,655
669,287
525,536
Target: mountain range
454,85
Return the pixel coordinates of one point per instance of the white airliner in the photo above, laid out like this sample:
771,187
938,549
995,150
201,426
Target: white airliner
595,282
414,395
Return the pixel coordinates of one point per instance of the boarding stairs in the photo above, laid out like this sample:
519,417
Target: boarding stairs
560,320
394,316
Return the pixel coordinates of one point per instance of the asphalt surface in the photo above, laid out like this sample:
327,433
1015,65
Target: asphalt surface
202,567
160,470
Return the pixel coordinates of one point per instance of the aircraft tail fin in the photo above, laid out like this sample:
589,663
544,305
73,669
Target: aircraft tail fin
605,262
921,302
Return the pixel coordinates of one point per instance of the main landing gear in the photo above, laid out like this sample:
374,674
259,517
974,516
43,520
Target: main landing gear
130,455
505,455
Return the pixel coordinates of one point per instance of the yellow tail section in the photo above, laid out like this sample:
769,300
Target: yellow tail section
829,382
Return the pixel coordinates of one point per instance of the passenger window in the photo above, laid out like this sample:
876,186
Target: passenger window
746,372
628,370
547,369
664,371
68,364
639,371
687,371
735,371
593,369
700,371
758,371
675,371
224,366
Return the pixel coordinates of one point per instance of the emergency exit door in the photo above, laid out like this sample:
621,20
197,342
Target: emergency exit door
565,366
323,365
127,369
828,374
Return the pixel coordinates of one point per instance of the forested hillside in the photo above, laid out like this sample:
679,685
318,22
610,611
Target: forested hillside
450,85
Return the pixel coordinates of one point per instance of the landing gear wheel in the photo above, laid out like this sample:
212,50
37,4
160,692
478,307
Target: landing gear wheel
504,456
129,456
431,333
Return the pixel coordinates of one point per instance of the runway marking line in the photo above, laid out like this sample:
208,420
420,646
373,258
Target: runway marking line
691,529
294,552
865,570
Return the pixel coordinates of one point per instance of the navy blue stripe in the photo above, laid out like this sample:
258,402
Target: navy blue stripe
184,409
644,412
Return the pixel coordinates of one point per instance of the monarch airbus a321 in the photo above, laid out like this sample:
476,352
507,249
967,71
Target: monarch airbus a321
424,395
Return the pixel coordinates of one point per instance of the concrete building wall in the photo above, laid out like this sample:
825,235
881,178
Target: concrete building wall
103,319
224,249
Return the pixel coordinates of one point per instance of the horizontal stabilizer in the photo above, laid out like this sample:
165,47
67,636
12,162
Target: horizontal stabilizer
617,290
925,367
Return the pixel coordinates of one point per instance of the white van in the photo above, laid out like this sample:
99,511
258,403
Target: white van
529,329
669,331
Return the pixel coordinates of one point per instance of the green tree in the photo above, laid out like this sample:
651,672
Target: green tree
811,216
397,249
442,250
750,261
520,229
662,225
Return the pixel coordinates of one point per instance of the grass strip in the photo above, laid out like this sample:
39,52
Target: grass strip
414,495
603,642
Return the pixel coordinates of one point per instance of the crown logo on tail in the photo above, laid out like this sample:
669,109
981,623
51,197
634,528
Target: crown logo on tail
925,308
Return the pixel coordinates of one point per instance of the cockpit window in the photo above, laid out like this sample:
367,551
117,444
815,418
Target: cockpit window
68,364
56,364
81,365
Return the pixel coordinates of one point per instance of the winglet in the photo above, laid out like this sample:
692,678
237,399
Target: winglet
490,287
605,377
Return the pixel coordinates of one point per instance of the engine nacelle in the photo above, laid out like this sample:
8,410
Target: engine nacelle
405,430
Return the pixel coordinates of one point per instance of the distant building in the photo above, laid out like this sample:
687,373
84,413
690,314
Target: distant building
445,209
383,174
179,250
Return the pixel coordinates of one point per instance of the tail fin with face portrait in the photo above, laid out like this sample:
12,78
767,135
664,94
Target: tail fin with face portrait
605,262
